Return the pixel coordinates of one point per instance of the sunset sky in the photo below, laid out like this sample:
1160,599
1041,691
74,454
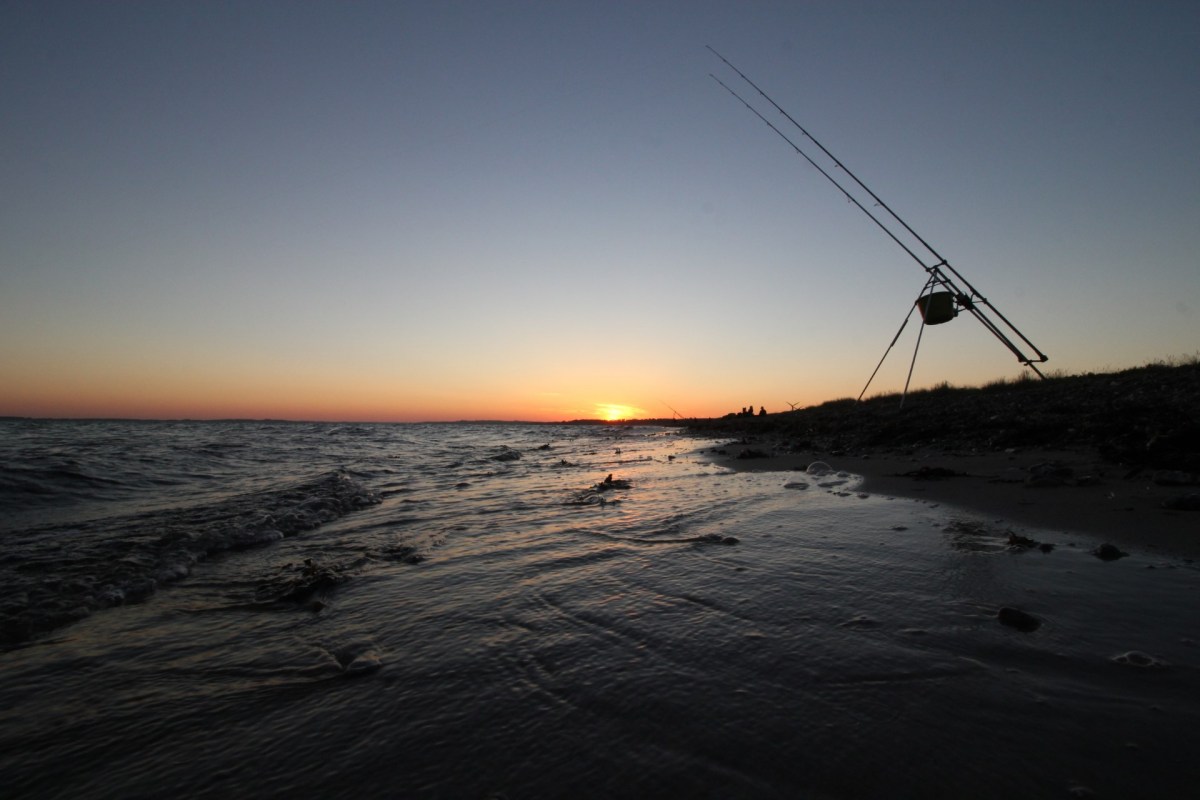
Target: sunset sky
549,210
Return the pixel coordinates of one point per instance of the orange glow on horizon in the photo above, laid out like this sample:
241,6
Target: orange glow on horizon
135,396
97,385
614,412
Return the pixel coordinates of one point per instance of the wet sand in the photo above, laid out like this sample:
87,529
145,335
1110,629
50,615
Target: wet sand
1066,491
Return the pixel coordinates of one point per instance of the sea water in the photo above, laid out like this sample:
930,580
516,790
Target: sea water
216,609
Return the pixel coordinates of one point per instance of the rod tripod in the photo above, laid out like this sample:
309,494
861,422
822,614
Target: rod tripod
946,291
939,302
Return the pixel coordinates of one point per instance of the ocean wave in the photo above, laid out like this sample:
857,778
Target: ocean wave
53,575
17,482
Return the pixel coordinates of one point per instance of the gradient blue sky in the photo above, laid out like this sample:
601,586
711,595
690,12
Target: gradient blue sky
532,209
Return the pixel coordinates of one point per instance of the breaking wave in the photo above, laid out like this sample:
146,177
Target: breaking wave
49,577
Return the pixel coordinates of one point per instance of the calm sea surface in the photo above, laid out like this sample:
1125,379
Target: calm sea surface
468,611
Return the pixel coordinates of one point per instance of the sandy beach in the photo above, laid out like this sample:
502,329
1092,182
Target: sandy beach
1115,456
1065,491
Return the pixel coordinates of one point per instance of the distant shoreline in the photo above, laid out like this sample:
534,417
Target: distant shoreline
272,421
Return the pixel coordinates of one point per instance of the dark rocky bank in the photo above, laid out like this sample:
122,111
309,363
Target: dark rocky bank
1146,417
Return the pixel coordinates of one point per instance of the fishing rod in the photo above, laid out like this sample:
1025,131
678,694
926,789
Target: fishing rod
969,300
673,411
819,169
832,158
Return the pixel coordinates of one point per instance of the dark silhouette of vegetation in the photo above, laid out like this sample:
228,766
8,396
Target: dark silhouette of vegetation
1147,416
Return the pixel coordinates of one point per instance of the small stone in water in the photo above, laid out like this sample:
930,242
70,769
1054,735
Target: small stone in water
1108,552
364,663
1016,618
1136,658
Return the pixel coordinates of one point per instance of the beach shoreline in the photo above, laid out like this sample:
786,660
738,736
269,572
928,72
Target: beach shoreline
1067,491
783,642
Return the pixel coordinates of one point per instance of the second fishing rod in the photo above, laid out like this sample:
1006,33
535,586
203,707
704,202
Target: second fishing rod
838,164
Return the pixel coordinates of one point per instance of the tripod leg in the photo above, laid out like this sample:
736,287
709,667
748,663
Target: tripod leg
910,366
885,354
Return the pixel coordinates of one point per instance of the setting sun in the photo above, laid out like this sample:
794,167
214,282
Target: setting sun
612,412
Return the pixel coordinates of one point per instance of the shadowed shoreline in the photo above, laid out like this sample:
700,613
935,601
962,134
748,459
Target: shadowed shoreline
1114,455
